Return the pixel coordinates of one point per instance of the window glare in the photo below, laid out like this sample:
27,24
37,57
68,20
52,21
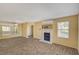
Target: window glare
63,29
5,28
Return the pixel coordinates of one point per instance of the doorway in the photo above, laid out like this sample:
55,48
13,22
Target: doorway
31,31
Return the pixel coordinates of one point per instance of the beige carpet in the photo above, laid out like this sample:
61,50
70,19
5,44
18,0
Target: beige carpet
23,46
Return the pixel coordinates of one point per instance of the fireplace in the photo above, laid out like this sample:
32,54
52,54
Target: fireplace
46,36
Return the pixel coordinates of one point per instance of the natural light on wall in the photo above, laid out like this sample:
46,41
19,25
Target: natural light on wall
63,29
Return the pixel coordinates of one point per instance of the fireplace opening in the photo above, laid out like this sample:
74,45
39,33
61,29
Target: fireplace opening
47,36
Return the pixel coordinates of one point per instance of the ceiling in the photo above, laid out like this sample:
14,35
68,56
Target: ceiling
31,12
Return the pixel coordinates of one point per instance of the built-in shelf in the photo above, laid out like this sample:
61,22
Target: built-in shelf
47,26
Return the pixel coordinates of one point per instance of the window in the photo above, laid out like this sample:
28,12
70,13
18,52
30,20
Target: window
63,29
8,29
5,28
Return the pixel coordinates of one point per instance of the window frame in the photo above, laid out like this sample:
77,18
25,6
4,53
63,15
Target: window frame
62,31
6,28
9,29
6,32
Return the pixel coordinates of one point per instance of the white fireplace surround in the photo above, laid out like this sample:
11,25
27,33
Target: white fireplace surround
42,37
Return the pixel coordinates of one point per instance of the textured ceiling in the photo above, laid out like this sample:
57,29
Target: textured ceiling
24,12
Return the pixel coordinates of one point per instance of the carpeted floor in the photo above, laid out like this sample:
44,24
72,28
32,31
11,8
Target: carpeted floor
24,46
